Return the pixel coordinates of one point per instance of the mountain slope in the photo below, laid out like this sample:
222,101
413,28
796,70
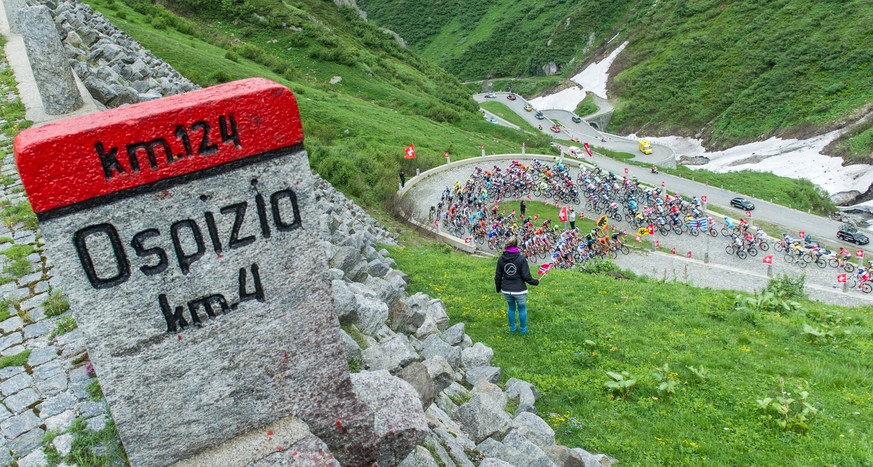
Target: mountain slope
356,128
729,72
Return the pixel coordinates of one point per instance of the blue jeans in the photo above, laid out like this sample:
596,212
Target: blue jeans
519,302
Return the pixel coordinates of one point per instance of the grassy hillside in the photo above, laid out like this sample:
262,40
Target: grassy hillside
730,72
500,37
356,130
583,326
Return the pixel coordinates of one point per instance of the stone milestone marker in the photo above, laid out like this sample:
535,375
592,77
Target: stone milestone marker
185,233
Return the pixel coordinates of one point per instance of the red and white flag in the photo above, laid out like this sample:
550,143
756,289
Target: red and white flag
544,268
588,150
841,278
468,240
688,254
859,253
564,214
410,152
768,259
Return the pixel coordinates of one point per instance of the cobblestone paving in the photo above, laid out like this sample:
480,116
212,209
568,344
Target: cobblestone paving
50,389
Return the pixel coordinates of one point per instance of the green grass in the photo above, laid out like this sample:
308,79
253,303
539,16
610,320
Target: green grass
13,214
95,448
95,392
56,303
18,359
19,265
355,130
503,111
585,325
64,325
586,106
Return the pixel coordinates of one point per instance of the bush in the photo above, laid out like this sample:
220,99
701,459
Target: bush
788,287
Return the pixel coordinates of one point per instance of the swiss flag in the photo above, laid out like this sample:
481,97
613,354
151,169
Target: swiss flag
410,152
651,229
768,259
841,278
468,240
860,253
564,214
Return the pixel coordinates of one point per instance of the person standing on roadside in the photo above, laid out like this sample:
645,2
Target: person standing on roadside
402,178
511,279
572,218
523,208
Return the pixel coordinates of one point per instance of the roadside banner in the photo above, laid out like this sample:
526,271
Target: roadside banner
643,231
602,222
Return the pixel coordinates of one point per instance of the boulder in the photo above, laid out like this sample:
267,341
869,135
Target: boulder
377,268
350,347
593,460
343,301
516,450
484,416
417,376
494,462
524,392
440,372
482,373
399,419
477,355
419,457
564,456
390,355
369,314
438,418
534,429
433,346
427,328
454,335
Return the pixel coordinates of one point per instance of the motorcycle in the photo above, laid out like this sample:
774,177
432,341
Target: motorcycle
654,170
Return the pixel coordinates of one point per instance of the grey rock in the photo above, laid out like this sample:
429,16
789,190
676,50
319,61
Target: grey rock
482,373
39,329
524,452
5,456
48,371
416,374
399,419
4,413
454,335
369,314
593,460
48,60
534,429
96,423
494,462
391,355
100,90
34,459
52,386
438,418
29,279
44,355
88,409
419,457
427,328
442,456
467,342
350,347
20,401
524,392
60,421
10,371
377,268
27,442
564,456
345,258
11,339
63,444
12,7
477,356
458,447
444,402
15,384
440,372
343,301
433,346
14,350
15,426
56,405
484,416
73,38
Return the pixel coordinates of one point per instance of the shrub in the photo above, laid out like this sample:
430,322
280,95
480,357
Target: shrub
788,287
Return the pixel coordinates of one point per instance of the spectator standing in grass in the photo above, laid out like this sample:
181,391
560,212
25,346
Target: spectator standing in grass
523,208
402,178
572,218
511,279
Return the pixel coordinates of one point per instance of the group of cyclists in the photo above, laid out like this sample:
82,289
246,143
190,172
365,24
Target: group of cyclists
471,210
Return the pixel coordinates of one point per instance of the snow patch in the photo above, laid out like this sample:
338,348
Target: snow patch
568,100
791,158
594,77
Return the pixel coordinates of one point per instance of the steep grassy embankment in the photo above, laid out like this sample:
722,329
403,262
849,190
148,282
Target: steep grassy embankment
356,129
730,72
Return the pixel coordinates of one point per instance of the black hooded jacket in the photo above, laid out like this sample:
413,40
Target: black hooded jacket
512,273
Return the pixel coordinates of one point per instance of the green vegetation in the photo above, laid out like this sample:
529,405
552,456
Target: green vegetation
19,265
18,359
95,448
56,303
95,392
12,214
502,38
737,71
503,111
856,145
586,106
64,325
798,194
721,362
356,130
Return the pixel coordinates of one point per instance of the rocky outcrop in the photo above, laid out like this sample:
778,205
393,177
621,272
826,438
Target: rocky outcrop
114,67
